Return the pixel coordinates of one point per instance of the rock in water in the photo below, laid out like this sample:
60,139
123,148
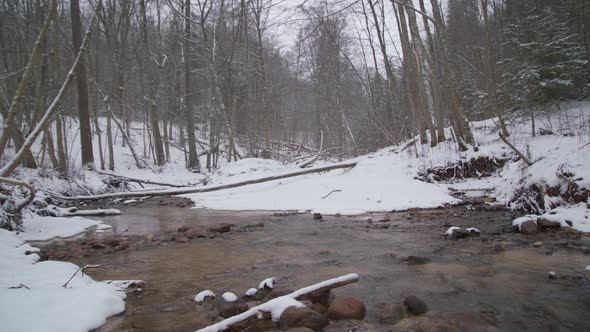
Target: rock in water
228,309
347,308
294,317
317,216
417,260
552,275
415,306
537,244
528,227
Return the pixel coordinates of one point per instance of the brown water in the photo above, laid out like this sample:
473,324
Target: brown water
471,282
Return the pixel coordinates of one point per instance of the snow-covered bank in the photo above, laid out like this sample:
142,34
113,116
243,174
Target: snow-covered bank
385,180
382,181
32,296
38,228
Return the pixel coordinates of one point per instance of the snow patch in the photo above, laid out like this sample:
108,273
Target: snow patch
251,292
38,228
203,295
451,229
32,297
229,297
268,283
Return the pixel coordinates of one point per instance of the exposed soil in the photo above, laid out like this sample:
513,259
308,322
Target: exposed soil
495,281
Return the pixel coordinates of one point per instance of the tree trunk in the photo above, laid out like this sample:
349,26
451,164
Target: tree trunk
82,87
193,159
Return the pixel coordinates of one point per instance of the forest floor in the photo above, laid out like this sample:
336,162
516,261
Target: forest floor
495,281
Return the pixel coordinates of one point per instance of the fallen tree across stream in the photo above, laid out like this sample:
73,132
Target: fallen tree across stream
201,189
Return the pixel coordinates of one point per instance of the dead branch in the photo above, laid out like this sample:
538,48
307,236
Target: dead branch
262,311
312,160
193,190
331,192
139,180
522,156
30,188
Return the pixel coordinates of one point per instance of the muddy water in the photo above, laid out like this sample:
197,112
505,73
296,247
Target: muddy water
495,282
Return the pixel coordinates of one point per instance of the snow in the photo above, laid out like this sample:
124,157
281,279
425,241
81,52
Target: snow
473,230
588,268
578,215
45,305
268,283
251,292
203,295
451,229
38,228
229,297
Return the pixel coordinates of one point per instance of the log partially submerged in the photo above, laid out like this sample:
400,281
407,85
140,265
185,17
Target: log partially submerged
130,179
275,306
196,190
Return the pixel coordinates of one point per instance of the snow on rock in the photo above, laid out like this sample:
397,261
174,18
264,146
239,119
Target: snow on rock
277,305
575,216
229,297
251,292
38,228
451,229
267,283
588,268
203,295
44,305
473,230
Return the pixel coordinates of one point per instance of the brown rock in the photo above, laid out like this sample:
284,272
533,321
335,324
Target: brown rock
123,245
318,307
588,275
324,298
220,229
528,227
228,309
347,308
414,305
544,223
180,238
302,317
390,314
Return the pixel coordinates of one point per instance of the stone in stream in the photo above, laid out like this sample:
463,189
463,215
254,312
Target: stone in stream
545,223
390,314
537,244
225,228
302,317
347,308
416,260
317,216
528,227
180,238
552,275
324,298
414,305
228,309
460,233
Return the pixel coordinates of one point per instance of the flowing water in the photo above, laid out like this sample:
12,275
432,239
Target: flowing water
497,281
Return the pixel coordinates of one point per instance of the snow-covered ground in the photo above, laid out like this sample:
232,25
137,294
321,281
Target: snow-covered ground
32,296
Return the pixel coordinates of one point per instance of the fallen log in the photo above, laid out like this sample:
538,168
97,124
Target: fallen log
513,148
197,190
140,180
314,158
276,306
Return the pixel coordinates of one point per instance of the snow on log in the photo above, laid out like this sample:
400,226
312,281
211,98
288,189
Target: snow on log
201,189
276,306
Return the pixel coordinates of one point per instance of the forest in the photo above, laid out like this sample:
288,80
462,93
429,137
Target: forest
132,125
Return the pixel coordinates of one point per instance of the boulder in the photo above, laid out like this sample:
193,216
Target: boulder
417,260
294,317
528,227
347,308
545,223
228,309
415,306
390,314
324,298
